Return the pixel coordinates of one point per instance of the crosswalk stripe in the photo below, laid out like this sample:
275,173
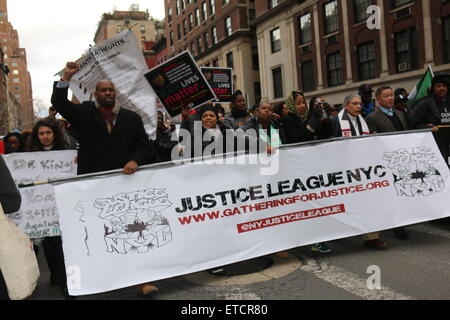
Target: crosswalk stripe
348,281
428,229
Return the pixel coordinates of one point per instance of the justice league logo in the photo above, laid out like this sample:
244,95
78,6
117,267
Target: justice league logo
414,171
133,221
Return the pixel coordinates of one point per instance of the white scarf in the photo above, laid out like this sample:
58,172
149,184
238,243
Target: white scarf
346,128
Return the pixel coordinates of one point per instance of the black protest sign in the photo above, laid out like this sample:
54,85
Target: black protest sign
179,82
221,82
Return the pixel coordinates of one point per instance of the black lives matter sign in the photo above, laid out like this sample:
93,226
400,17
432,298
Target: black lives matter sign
179,83
221,82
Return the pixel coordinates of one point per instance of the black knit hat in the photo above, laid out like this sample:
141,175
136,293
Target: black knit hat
440,79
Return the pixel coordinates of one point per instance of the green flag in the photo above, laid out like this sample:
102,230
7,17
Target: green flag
422,87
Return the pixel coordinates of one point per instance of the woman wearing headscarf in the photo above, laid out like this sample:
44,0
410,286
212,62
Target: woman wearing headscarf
301,123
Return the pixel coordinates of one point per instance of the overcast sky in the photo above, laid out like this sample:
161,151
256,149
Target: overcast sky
54,32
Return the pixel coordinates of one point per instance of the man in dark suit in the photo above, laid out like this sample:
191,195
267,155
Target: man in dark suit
388,119
109,137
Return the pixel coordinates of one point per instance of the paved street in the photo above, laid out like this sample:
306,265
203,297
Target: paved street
415,269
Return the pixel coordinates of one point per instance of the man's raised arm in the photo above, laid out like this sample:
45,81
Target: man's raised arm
59,100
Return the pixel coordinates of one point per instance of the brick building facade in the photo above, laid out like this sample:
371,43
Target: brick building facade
146,29
19,101
143,26
333,51
217,33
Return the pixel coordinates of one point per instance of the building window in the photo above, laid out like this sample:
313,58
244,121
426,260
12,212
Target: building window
204,11
405,50
305,28
179,32
215,63
142,28
446,35
169,15
171,38
361,9
15,72
16,80
119,28
191,22
214,35
228,29
257,86
331,17
255,58
367,67
308,81
230,62
275,40
251,14
225,2
398,3
184,27
273,4
335,71
192,48
199,45
212,7
178,7
277,83
197,16
205,40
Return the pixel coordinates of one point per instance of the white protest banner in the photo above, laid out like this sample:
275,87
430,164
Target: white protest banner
38,214
126,230
120,60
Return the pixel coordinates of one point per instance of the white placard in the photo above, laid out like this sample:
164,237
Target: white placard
38,214
120,60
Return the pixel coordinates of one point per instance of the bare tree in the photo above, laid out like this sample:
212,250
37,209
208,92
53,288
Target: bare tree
40,108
